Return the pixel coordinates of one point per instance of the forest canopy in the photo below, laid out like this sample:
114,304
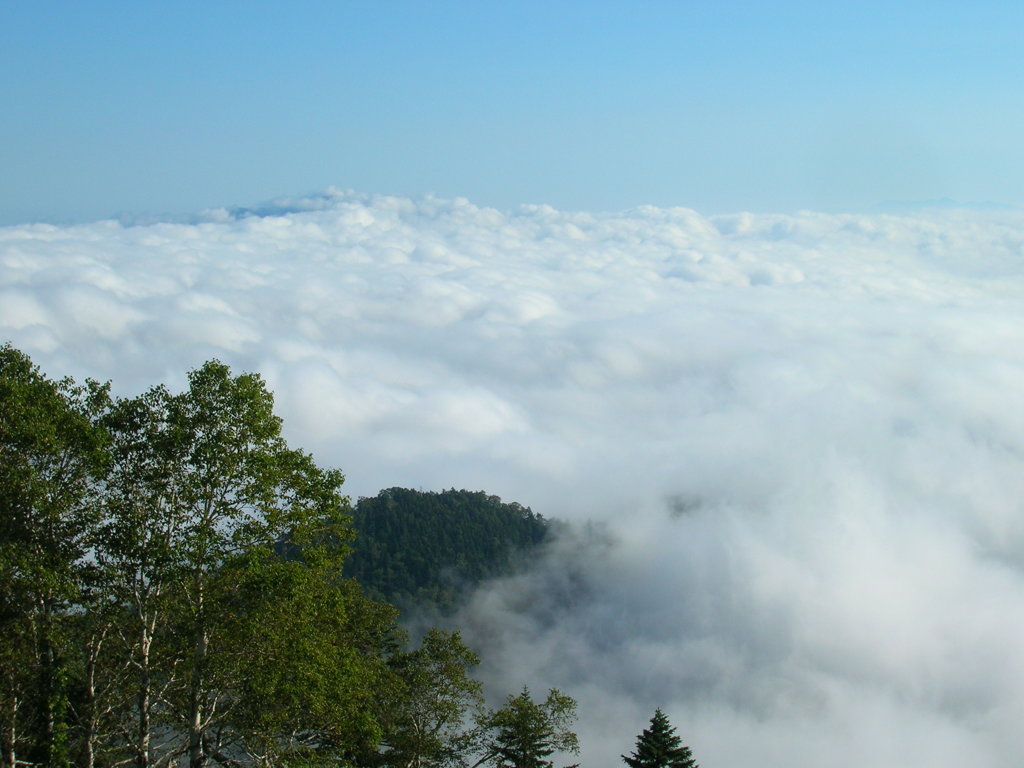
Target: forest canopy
425,547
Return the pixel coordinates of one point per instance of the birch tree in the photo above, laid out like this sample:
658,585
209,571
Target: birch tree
200,478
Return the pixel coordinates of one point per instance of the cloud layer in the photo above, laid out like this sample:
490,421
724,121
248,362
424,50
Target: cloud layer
799,437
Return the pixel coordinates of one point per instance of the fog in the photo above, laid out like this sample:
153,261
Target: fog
791,447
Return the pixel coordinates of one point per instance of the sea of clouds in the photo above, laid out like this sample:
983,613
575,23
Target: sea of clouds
793,446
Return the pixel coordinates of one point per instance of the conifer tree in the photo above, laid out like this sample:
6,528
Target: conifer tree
660,747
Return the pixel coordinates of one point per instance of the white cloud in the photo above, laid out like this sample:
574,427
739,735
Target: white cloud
19,310
829,404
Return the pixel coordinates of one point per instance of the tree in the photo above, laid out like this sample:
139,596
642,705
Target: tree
427,718
307,665
101,692
200,480
660,747
138,553
51,456
524,734
240,488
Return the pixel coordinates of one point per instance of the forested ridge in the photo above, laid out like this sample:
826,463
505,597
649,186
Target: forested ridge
173,591
427,547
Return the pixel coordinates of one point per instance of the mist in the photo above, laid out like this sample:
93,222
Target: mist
791,448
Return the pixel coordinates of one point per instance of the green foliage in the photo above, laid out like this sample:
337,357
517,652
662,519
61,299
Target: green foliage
146,613
172,592
308,662
659,747
524,734
416,547
51,455
427,718
201,481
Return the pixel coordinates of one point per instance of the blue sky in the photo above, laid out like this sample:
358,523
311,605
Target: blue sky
167,108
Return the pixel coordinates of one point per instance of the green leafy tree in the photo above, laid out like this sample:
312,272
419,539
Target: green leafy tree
51,456
199,480
240,487
427,719
139,557
308,663
101,692
525,734
659,747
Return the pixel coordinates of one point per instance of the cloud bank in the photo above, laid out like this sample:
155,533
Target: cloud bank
798,439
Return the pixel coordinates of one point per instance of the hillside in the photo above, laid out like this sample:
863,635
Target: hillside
427,547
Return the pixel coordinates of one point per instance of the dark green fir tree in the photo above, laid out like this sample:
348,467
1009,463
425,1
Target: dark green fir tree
660,747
